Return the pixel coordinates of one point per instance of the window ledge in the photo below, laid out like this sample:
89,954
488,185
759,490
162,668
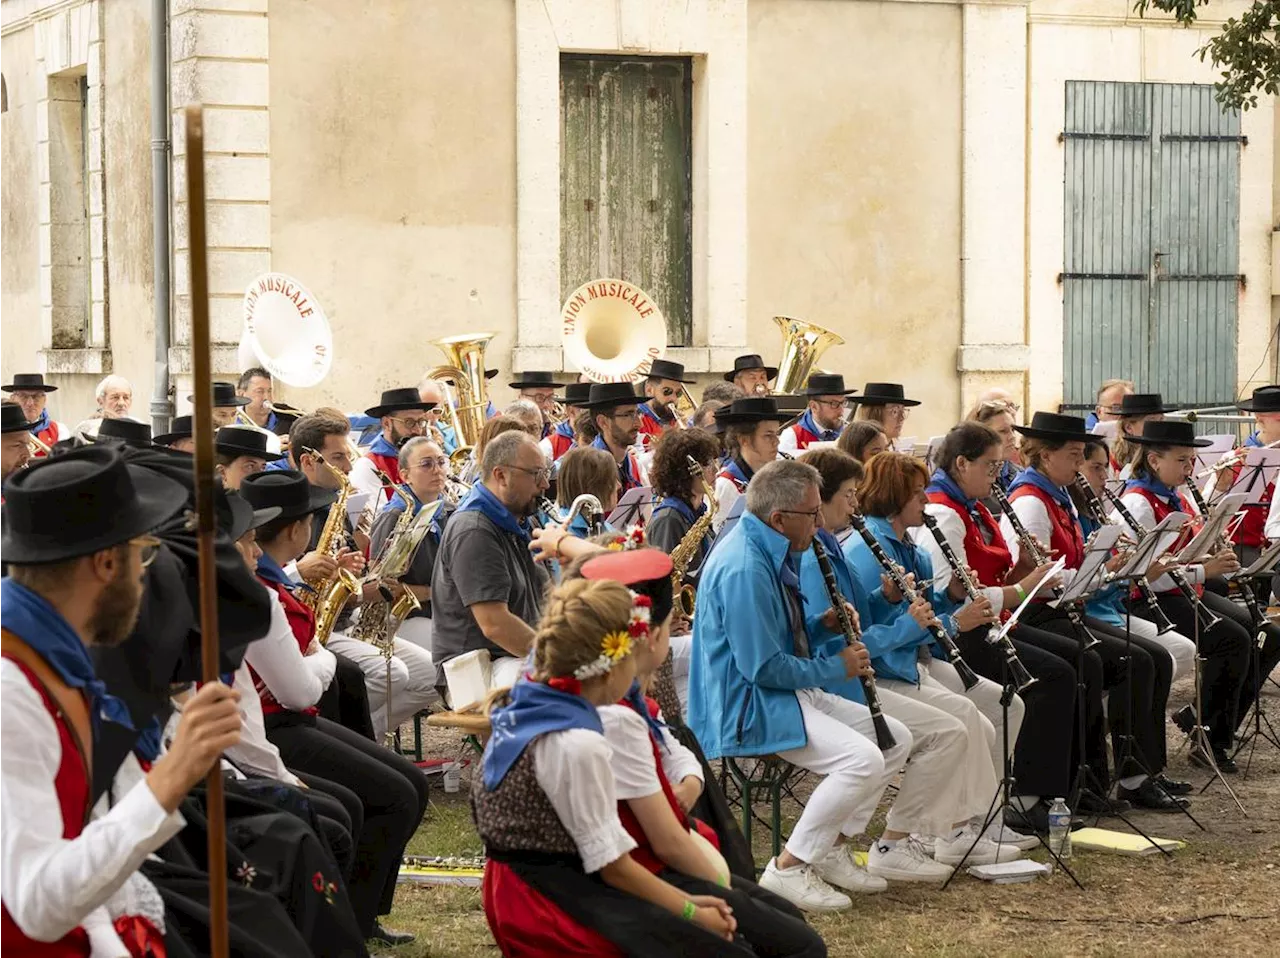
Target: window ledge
88,361
696,359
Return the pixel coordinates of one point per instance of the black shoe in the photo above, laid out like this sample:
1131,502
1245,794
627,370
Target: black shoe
1226,764
1150,795
1035,819
1174,787
1185,719
1091,804
386,936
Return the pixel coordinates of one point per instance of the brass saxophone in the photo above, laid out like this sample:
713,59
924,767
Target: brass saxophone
683,553
327,597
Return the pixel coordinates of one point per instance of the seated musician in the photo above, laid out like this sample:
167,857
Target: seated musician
1164,460
73,585
823,420
563,435
401,415
752,427
590,472
662,390
226,403
615,409
1130,413
756,687
1000,416
15,447
751,375
538,388
1109,394
114,396
486,590
30,391
180,437
885,403
967,459
1136,671
1250,537
240,452
862,439
290,670
559,877
912,671
433,396
256,386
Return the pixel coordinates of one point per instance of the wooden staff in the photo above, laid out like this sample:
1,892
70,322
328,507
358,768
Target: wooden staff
206,530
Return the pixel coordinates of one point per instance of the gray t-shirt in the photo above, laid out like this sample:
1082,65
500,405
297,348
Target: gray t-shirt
478,562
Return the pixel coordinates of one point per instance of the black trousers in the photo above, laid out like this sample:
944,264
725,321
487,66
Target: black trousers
341,817
391,789
1042,762
772,926
346,700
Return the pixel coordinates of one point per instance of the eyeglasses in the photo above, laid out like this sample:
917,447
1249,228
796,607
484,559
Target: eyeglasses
411,423
539,475
666,392
625,416
993,467
148,548
836,404
892,411
811,514
441,463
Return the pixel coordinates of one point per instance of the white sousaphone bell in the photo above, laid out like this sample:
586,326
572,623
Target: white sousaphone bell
612,331
285,331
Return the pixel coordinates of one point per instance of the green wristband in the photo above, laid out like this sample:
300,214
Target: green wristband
690,909
1020,592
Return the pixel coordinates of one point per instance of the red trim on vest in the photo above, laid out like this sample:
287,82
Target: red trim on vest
993,561
303,622
559,445
48,435
725,474
1161,509
388,464
1065,538
803,437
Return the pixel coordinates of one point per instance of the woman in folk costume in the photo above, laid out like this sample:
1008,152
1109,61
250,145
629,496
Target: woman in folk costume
752,427
1131,413
862,439
560,879
886,404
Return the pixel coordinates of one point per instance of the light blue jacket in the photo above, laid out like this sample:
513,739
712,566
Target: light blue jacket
744,673
893,651
815,594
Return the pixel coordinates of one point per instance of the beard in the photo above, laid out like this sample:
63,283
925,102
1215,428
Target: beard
116,612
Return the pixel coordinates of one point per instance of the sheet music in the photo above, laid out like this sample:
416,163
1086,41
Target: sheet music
1215,525
1086,577
1207,457
1256,473
634,506
1017,613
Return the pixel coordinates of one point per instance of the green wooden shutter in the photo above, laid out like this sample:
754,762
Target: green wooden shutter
625,174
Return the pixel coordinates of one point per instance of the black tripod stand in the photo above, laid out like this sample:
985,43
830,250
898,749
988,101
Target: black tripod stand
1001,799
1262,727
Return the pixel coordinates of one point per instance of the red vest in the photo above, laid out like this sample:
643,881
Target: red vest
1251,532
992,561
651,426
559,445
1066,538
737,483
72,786
303,622
48,435
1161,509
388,464
803,437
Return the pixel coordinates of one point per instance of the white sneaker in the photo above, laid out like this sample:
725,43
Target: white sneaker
840,869
905,860
801,886
951,851
927,842
1001,833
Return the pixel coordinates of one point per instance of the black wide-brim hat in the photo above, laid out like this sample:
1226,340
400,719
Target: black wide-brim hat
666,369
535,380
609,395
236,516
884,394
30,382
12,418
490,373
398,400
1142,404
826,384
576,394
749,409
750,361
128,431
182,428
1169,432
287,489
1055,427
224,394
243,441
82,502
1265,399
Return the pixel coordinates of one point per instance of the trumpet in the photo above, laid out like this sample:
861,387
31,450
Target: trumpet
1231,460
38,447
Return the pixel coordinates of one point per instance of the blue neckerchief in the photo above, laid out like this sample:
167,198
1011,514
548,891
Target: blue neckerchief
1008,473
564,430
490,410
1090,421
272,421
147,745
679,505
270,570
278,464
396,504
790,572
649,412
481,500
382,446
738,469
941,482
1033,477
535,709
808,425
41,424
1166,494
1255,439
628,471
36,622
636,700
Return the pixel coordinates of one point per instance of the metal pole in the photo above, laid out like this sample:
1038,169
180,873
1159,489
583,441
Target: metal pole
161,407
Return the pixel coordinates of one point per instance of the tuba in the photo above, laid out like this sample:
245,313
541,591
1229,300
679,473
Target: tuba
465,369
612,331
802,344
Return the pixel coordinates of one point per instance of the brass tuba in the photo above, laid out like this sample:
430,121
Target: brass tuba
465,370
802,344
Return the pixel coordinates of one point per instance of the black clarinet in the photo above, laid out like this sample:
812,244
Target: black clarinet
1204,615
1022,679
1099,513
884,737
1038,558
1245,589
898,577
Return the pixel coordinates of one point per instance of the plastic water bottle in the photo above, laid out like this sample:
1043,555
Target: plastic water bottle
1060,828
452,776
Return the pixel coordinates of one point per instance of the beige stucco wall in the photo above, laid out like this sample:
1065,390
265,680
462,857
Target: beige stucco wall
393,180
854,188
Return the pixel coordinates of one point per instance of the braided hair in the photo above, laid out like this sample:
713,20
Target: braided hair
576,618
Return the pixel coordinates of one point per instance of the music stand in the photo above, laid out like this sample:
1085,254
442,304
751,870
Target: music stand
1208,456
1213,529
1255,473
1262,568
635,505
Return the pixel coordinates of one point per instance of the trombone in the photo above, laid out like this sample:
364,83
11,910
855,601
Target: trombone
1215,413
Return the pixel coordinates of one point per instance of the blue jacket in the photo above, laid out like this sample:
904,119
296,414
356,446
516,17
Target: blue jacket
893,651
815,594
744,673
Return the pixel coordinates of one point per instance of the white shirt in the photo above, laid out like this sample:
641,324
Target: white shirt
952,528
634,772
1272,528
1034,515
256,754
789,442
52,885
295,680
364,477
727,494
1145,516
573,770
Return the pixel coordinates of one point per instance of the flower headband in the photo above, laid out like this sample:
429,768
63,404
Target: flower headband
628,541
617,645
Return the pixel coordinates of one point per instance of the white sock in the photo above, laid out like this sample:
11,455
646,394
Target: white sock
1132,781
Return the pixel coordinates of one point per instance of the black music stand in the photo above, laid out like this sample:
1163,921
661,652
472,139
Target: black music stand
635,505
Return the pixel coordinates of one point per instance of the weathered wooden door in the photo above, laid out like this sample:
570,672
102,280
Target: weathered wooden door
1151,255
625,178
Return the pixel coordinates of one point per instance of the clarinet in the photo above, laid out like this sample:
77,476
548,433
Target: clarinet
884,737
1022,679
1245,589
1039,557
899,578
1204,615
1148,597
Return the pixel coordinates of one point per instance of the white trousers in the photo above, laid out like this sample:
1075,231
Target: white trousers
681,650
949,778
841,747
986,696
413,679
1181,649
416,630
505,671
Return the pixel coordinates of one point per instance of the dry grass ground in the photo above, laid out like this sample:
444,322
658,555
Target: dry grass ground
1218,896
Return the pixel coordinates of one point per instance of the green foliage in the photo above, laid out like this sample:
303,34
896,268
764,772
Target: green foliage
1246,51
